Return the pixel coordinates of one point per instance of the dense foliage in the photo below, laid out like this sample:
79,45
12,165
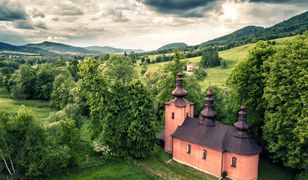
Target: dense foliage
272,82
286,95
29,150
247,81
129,125
210,58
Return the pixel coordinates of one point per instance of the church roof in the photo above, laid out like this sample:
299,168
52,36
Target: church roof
219,137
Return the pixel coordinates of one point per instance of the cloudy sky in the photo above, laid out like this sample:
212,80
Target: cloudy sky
145,24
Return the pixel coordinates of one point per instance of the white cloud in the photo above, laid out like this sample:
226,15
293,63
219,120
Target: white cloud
133,24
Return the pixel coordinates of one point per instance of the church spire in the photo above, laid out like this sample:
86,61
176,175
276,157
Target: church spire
242,124
179,91
208,115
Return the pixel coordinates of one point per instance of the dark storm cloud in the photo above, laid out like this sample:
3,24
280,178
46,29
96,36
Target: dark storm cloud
185,8
41,25
26,24
274,1
23,24
10,11
198,8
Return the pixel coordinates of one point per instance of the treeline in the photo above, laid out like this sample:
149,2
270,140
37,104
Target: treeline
272,82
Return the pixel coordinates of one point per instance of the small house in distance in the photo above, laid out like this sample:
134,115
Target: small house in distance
190,69
206,144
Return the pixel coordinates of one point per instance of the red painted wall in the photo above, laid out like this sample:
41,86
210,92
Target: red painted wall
172,124
246,166
216,162
212,164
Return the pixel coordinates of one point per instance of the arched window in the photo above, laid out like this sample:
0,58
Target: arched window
233,162
204,153
186,114
172,115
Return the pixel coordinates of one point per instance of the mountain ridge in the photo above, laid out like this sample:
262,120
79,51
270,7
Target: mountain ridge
178,45
250,34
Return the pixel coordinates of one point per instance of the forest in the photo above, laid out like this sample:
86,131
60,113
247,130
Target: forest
107,107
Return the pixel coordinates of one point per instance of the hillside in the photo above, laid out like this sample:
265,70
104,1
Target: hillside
172,46
217,76
9,47
112,50
251,34
47,48
61,48
243,35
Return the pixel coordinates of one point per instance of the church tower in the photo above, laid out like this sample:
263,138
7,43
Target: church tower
176,111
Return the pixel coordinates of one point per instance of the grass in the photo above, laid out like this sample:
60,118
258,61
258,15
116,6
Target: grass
270,171
110,171
40,109
217,76
157,166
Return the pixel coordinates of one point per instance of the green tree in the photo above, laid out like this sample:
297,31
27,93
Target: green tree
23,144
133,57
22,83
73,69
44,81
210,58
129,125
227,104
118,68
62,86
92,91
200,72
247,82
286,122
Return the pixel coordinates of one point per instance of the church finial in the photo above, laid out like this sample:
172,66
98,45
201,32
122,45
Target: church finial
241,123
179,91
208,115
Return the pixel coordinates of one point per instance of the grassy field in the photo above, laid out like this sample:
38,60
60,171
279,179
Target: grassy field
217,76
39,109
158,166
112,171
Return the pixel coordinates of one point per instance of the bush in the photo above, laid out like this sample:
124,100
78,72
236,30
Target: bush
224,174
200,73
302,176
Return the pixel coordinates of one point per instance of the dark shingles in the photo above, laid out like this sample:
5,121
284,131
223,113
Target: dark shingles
219,137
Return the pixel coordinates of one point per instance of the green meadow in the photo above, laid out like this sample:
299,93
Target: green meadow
217,76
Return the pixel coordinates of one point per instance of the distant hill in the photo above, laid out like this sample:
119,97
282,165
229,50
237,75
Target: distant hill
112,50
172,46
61,48
48,48
250,34
9,47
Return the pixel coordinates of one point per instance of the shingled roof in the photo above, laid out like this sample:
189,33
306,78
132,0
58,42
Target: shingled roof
219,137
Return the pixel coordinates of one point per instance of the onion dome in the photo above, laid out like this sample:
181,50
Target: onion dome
179,91
208,115
241,123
